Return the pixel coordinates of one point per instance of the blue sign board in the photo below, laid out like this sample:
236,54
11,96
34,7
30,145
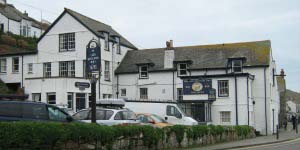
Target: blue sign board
93,57
197,86
82,84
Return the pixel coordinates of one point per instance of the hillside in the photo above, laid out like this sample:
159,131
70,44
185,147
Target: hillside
292,95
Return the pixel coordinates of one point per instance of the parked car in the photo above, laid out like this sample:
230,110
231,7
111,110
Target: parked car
32,111
107,116
170,111
152,119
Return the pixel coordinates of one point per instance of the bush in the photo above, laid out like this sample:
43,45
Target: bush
51,135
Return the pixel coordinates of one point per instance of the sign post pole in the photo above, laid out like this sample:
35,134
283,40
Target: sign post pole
93,67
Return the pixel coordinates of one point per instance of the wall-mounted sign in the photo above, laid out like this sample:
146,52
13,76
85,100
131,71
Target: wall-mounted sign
93,57
197,86
82,84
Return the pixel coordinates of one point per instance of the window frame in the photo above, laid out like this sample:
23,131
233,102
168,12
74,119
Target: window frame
67,42
47,73
48,94
106,41
118,46
3,66
144,94
68,100
233,67
179,69
223,88
179,94
14,64
107,70
123,92
225,119
141,71
67,69
40,97
30,68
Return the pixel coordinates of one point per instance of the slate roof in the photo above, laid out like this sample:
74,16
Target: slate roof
12,13
257,53
94,26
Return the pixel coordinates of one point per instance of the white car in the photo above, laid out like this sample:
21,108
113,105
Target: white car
106,116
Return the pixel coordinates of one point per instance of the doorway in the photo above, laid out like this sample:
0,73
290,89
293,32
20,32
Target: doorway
80,101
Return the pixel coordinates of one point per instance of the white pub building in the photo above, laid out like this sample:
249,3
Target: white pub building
226,84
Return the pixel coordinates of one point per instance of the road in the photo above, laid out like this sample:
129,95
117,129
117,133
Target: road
288,145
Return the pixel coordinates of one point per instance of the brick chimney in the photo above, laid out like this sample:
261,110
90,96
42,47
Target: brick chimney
25,13
169,55
282,73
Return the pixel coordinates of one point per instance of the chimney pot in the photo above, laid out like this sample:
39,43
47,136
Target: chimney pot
282,73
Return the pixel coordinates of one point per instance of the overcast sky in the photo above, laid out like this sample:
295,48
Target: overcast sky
150,23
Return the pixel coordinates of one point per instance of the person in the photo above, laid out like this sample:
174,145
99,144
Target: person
294,122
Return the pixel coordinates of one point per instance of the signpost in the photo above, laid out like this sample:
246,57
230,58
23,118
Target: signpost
93,66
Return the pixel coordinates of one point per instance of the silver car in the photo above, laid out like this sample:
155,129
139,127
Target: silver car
106,116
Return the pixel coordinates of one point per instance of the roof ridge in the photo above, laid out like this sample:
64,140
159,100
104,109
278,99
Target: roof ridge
72,11
222,44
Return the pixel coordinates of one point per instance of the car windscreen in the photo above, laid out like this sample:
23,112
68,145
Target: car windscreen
157,119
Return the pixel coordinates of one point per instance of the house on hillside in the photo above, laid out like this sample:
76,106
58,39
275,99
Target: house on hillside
222,84
14,21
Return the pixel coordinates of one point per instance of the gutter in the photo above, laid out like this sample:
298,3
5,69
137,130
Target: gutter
236,102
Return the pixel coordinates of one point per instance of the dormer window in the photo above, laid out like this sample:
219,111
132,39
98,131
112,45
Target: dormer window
182,69
143,70
237,65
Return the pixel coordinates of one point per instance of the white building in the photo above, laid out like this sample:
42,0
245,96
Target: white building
51,74
16,22
239,75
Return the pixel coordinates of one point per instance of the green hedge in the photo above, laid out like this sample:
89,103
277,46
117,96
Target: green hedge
36,135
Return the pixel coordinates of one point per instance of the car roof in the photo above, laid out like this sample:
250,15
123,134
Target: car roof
21,102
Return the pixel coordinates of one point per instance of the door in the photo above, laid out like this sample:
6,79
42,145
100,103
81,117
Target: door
173,115
198,112
80,101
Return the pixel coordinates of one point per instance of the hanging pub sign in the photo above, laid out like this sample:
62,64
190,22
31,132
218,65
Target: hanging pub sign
197,86
93,57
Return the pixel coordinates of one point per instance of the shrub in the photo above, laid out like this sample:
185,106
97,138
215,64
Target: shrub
8,40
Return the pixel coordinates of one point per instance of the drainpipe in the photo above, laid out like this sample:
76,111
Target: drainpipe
265,90
236,102
117,86
173,86
248,98
23,73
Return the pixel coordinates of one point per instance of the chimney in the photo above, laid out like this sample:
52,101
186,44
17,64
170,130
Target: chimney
282,73
169,55
169,44
25,13
3,2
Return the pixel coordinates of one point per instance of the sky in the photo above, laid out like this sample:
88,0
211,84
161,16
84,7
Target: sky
150,23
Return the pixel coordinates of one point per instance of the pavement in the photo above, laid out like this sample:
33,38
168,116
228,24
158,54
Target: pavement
284,136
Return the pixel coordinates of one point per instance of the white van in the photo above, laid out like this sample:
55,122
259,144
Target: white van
167,110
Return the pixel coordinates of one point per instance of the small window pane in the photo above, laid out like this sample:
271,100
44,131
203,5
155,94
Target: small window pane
56,115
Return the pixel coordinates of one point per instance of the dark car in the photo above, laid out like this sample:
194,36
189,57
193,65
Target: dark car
31,111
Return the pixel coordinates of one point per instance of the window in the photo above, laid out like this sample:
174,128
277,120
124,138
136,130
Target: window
179,94
25,30
67,69
36,97
15,64
106,42
106,71
125,115
173,111
225,116
118,47
34,111
70,100
1,27
67,42
123,92
47,70
237,66
182,69
82,115
223,87
3,65
143,71
143,93
56,115
30,68
51,98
